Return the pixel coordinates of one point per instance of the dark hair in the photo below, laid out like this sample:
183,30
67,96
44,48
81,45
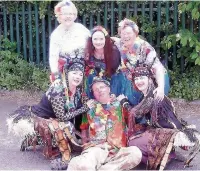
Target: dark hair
111,53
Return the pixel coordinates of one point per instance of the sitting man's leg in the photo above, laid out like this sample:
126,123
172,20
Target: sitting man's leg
126,158
90,159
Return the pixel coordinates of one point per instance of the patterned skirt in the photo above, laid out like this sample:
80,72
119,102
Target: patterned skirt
34,130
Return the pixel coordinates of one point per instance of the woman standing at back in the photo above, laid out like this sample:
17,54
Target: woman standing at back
102,59
134,51
68,40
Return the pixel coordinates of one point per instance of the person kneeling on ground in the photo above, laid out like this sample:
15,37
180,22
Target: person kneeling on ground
51,122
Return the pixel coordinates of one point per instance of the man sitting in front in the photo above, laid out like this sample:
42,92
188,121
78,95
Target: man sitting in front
107,131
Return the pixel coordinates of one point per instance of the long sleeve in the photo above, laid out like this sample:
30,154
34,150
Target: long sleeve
56,98
59,110
54,50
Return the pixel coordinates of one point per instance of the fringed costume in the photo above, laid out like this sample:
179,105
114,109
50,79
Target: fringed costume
155,127
54,121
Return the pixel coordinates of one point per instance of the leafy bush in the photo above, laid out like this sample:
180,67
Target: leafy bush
187,40
16,73
185,85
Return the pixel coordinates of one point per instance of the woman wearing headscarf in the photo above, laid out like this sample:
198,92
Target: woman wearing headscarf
154,127
53,118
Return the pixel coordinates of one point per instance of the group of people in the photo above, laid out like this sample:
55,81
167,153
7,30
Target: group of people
107,100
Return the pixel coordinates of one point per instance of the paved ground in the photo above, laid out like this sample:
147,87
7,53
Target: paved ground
13,159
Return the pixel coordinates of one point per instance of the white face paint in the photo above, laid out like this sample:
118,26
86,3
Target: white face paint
101,92
128,36
75,78
142,83
98,40
67,16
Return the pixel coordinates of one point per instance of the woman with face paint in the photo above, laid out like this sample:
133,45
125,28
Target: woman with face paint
52,119
102,59
67,40
154,127
134,50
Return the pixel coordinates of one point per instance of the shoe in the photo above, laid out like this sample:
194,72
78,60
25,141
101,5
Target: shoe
59,164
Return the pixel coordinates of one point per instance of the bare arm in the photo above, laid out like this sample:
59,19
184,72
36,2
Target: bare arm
158,70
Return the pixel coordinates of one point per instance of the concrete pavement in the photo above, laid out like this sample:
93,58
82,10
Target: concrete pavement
13,159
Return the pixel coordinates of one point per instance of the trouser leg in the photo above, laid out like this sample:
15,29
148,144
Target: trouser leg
126,158
90,159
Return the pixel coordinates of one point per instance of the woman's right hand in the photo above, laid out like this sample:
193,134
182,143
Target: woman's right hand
121,97
91,103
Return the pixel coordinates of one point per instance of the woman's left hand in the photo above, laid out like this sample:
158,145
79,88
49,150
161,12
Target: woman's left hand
159,94
91,104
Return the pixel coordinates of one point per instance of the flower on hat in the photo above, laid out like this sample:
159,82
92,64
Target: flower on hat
104,31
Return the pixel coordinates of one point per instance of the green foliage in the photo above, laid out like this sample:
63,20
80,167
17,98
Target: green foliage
188,41
186,85
16,73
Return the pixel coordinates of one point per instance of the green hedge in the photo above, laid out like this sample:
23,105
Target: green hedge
16,73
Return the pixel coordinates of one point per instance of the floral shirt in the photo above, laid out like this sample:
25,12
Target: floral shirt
142,53
107,124
96,67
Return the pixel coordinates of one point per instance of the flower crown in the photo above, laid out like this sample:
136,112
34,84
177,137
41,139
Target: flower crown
127,22
99,28
63,3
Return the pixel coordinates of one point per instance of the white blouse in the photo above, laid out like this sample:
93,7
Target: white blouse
67,44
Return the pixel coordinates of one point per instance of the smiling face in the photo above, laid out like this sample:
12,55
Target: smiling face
75,78
98,40
128,36
101,92
67,16
142,83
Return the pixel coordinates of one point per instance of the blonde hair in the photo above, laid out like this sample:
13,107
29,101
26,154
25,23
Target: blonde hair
67,3
127,22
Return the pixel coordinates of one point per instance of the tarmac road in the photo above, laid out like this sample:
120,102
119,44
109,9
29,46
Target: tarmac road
11,158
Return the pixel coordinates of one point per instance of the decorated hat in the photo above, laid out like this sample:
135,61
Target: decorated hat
99,79
75,64
141,70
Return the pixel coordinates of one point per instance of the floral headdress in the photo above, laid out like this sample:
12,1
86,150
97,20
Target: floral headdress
126,22
99,28
63,3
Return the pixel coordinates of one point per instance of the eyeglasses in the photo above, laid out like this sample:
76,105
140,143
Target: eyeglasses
67,14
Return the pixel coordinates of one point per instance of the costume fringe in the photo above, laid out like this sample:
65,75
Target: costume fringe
20,129
184,139
20,123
